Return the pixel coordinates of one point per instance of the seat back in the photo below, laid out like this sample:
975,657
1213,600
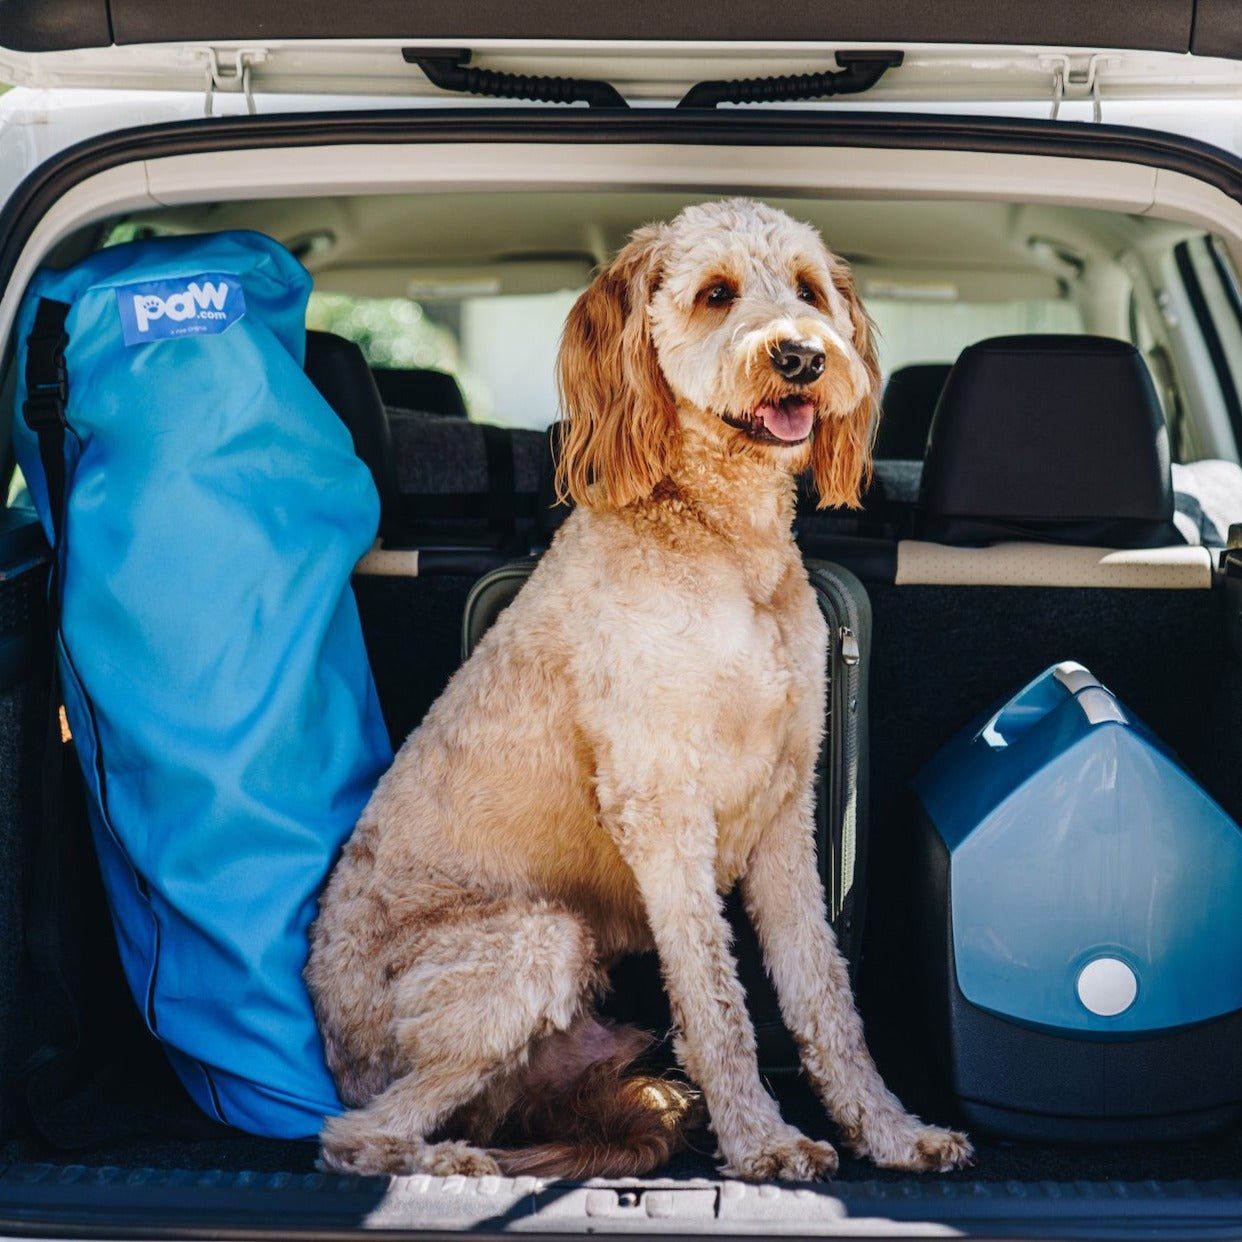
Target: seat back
906,410
1055,439
465,483
339,371
427,391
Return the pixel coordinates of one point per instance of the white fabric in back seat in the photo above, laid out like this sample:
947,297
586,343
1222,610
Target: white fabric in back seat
1055,565
1215,486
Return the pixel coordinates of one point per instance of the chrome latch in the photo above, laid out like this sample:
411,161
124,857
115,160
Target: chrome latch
218,75
1076,78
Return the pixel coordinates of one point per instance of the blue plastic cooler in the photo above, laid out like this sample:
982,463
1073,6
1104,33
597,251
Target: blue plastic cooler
1082,923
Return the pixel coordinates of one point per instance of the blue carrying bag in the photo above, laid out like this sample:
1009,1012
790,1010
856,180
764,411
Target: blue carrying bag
213,669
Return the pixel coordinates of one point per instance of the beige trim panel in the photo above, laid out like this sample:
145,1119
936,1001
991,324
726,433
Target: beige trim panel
858,172
389,563
499,167
1044,565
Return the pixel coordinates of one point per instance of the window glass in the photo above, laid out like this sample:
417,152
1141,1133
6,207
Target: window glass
924,330
500,349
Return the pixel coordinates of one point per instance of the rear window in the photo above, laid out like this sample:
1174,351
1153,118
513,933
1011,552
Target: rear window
935,327
501,349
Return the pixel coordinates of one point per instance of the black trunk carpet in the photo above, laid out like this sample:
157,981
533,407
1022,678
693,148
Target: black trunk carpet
1218,1157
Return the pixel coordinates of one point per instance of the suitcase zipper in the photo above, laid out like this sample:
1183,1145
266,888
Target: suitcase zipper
841,758
848,640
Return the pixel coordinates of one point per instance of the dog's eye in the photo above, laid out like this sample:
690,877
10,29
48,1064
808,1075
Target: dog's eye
807,292
719,294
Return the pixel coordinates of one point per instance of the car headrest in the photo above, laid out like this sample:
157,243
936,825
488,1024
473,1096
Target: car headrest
338,369
1057,439
906,410
426,392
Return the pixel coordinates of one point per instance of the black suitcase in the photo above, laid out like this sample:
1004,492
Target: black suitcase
840,800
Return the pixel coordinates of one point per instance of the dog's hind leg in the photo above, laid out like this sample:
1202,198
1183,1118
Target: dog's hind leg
579,1108
470,997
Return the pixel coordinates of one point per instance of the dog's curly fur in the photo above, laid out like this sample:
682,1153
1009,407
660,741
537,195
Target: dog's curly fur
636,734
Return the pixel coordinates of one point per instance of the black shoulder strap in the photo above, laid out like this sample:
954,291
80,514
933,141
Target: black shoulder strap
47,396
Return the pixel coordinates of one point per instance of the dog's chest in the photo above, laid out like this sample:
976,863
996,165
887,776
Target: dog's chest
769,712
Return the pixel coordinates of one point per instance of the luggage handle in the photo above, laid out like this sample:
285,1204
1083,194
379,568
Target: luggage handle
1033,702
1074,677
1096,699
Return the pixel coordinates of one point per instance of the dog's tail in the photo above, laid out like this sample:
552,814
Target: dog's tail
596,1119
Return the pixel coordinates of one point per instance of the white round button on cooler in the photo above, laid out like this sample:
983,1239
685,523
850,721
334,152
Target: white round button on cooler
1107,986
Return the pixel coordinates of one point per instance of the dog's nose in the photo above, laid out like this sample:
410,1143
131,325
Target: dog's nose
799,364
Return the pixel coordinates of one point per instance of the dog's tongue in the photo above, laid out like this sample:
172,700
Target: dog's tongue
789,420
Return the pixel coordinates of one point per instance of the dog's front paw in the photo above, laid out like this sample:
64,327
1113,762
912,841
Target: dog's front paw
791,1157
351,1143
911,1145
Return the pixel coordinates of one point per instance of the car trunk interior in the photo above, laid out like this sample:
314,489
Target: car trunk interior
126,1134
134,1116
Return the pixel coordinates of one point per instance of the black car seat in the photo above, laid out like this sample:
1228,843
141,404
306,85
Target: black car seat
906,410
338,369
1049,439
427,391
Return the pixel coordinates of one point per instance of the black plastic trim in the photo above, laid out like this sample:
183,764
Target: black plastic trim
1211,337
72,1201
1216,29
47,25
772,127
55,25
1229,282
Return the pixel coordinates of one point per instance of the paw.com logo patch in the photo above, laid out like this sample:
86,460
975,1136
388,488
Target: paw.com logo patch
157,310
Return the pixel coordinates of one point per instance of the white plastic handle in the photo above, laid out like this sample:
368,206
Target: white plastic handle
1096,700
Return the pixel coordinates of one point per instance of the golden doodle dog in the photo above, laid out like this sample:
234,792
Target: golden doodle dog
634,736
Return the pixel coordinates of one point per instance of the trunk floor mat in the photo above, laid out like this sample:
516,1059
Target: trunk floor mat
1207,1159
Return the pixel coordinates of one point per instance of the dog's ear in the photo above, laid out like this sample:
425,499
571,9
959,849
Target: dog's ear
841,449
621,422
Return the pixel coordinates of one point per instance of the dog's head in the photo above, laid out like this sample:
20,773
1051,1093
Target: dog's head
734,319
